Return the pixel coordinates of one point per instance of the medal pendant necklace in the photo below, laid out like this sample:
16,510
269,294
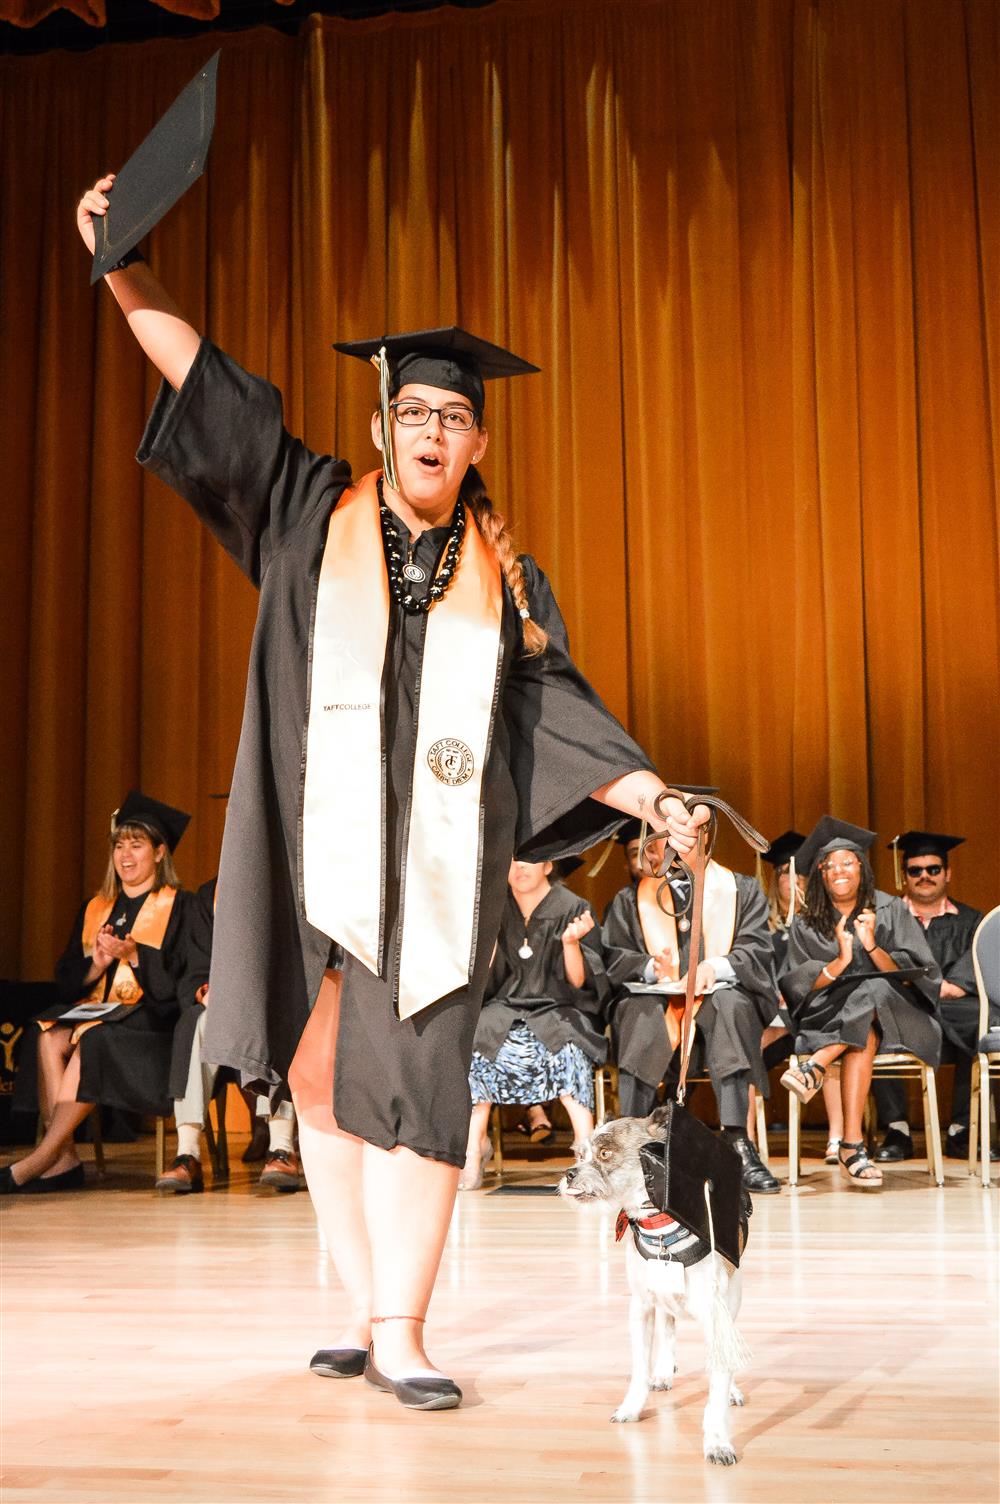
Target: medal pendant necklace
524,950
411,571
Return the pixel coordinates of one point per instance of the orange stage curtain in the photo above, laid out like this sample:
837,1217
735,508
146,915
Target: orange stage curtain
755,250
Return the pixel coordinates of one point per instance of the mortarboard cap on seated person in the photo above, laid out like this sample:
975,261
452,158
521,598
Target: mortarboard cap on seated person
782,848
158,173
830,834
565,866
449,358
920,843
161,820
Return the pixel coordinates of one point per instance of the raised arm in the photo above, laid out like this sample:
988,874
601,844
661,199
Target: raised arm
153,317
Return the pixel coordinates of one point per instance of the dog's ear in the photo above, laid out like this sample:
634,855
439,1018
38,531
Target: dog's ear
659,1116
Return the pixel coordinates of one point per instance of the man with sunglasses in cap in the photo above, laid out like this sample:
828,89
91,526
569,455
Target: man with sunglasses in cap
923,874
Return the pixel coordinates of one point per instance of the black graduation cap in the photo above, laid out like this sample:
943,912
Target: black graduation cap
159,172
782,847
630,831
139,809
920,843
564,866
830,834
450,358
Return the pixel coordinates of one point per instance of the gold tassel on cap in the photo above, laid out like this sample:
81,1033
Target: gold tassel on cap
609,847
381,360
897,866
760,873
793,890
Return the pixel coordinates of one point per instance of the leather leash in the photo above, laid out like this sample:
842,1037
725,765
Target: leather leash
695,868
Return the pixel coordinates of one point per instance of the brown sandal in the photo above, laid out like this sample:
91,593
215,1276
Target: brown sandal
855,1165
804,1081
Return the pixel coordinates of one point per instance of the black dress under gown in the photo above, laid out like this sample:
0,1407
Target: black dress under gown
535,992
221,443
844,1012
125,1060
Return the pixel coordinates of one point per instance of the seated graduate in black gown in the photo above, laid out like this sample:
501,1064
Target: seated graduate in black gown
643,944
541,1030
844,949
109,1040
923,876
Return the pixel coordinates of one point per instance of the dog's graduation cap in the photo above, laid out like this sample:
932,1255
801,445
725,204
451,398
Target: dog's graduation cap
159,172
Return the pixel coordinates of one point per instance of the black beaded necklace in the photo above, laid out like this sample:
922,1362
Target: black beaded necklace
398,566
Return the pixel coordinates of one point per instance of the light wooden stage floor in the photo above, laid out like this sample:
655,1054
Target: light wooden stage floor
156,1350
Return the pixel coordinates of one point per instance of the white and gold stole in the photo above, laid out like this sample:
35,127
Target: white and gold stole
343,824
659,929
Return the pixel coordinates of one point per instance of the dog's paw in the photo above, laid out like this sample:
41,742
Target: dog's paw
736,1395
662,1382
721,1454
624,1414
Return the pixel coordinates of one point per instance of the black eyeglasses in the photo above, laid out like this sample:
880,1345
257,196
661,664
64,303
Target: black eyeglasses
933,870
416,414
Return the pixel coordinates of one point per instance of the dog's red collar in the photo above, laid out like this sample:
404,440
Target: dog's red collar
648,1224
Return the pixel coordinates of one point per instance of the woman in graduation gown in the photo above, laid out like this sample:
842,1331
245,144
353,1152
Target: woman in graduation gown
844,947
126,949
412,719
541,1030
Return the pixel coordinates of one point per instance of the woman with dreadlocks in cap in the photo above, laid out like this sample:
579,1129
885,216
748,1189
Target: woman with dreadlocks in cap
412,720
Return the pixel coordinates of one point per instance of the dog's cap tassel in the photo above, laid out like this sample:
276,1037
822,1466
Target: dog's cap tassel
726,1350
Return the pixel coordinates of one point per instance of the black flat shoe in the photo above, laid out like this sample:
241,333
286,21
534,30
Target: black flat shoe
956,1146
896,1146
69,1180
423,1393
756,1176
339,1362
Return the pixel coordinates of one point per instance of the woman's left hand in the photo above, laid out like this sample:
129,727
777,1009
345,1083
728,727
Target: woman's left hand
577,928
864,928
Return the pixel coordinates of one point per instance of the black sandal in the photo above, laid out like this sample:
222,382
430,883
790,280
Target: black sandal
812,1074
856,1164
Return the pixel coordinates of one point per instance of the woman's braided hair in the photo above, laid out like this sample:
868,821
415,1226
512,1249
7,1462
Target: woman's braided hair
819,910
495,532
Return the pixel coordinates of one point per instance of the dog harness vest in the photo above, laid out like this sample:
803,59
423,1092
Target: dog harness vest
658,1236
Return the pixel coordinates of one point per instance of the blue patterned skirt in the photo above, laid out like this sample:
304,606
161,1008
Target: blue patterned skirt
525,1072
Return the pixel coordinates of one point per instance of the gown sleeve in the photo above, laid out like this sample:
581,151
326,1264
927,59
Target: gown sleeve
221,443
808,953
752,954
564,742
958,969
196,958
903,937
72,966
625,956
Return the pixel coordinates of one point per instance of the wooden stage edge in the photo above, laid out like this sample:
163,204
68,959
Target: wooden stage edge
157,1349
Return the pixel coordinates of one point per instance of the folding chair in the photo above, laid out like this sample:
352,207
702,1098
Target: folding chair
986,964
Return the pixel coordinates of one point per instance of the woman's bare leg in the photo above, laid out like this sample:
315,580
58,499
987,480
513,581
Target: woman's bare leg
408,1204
855,1081
581,1118
834,1107
332,1161
56,1152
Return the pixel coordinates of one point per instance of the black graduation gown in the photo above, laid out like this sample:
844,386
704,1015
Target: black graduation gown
125,1061
906,1013
194,974
730,1023
949,937
535,991
221,443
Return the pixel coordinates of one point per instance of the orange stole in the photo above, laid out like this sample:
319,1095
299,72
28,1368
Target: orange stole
659,930
149,929
343,855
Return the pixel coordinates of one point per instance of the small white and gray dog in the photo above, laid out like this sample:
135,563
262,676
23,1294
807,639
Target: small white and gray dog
671,1273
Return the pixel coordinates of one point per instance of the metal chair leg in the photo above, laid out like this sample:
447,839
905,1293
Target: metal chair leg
100,1164
496,1138
793,1131
599,1094
161,1147
761,1128
984,1117
932,1127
